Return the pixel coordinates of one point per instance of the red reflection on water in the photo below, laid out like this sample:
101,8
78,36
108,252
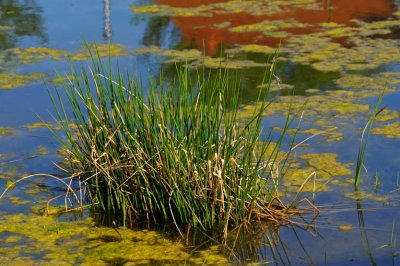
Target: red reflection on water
205,35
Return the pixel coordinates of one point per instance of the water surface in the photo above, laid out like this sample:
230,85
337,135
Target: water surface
335,55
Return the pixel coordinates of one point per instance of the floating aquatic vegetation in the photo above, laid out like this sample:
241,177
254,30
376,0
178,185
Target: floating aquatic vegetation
326,168
391,130
7,132
324,55
252,7
102,50
164,10
197,60
11,58
387,115
9,172
39,125
10,81
33,191
252,48
18,201
388,80
210,62
330,134
277,86
43,239
327,165
269,26
174,55
358,195
35,54
13,239
31,55
62,80
42,125
42,150
345,227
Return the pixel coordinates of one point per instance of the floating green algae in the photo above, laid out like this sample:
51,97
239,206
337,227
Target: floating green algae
345,227
7,132
318,47
225,63
51,125
269,25
330,133
39,125
63,80
326,164
174,55
41,150
252,7
276,86
35,54
10,81
164,10
384,80
387,115
391,130
197,60
11,58
325,167
13,239
359,195
30,55
324,55
9,171
53,242
18,201
252,48
101,50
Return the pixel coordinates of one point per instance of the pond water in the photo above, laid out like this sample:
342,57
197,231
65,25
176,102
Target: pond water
334,55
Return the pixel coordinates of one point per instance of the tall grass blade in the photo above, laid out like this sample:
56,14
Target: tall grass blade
364,140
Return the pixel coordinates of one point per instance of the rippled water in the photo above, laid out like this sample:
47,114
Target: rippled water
335,55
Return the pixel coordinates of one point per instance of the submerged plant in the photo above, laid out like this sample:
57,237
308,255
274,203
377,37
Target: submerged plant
178,154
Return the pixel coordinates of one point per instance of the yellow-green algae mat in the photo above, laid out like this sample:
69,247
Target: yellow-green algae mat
12,58
32,239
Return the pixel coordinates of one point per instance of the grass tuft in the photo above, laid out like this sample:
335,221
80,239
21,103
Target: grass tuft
175,152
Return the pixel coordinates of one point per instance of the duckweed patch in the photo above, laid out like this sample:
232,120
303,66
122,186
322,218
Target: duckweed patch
252,48
13,57
269,26
345,227
10,81
42,150
46,240
360,195
376,83
197,60
9,171
7,132
391,130
44,125
35,54
252,7
18,201
318,48
326,167
62,80
101,50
